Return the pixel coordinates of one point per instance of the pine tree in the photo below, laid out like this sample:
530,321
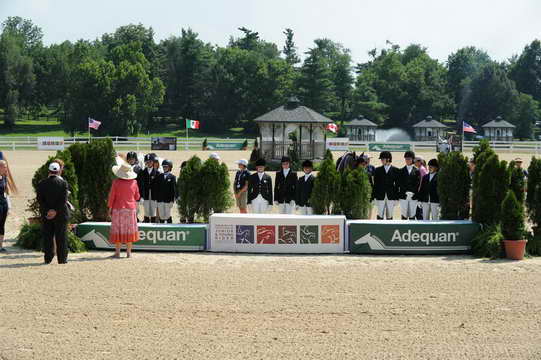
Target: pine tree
214,179
533,202
290,50
326,187
189,188
354,194
454,186
513,221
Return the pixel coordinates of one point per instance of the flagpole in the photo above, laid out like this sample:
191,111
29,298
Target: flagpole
186,123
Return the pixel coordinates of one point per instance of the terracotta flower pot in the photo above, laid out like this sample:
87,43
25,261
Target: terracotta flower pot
514,249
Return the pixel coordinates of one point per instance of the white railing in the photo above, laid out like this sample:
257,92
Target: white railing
119,142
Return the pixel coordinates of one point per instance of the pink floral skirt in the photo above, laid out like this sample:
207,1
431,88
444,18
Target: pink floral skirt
124,226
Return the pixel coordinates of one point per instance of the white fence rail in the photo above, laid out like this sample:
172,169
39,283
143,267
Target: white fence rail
136,144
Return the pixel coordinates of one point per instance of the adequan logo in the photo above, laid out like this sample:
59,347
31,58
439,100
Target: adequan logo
163,235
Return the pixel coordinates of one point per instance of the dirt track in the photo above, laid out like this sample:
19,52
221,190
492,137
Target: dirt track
215,306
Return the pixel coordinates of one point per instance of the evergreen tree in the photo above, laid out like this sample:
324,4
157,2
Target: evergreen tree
216,196
354,194
517,184
454,186
326,187
513,221
189,189
290,50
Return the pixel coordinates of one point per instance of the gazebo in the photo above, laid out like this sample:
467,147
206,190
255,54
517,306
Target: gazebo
292,126
429,130
361,129
498,130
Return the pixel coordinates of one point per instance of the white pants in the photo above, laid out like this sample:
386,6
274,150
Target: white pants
306,210
431,210
386,207
259,205
138,207
408,208
150,207
287,208
165,210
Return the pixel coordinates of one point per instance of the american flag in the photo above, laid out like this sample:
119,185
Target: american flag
93,124
467,128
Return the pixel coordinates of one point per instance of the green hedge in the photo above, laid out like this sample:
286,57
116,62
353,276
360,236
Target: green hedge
30,237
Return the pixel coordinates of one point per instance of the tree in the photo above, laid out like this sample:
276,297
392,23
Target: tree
513,221
326,187
526,70
517,184
525,114
495,178
454,186
462,66
492,95
216,196
28,34
290,50
189,188
354,194
17,78
315,83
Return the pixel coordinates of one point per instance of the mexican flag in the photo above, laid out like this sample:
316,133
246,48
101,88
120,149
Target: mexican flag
192,124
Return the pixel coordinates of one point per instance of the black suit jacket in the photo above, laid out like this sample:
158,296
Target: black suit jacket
284,187
429,189
147,182
304,191
385,183
256,187
408,182
166,187
52,194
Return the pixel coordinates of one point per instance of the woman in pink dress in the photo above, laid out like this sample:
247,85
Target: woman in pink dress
123,209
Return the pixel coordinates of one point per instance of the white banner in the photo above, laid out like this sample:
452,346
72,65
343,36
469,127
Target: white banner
273,233
338,144
50,143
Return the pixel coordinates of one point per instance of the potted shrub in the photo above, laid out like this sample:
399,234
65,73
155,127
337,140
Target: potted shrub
205,144
513,227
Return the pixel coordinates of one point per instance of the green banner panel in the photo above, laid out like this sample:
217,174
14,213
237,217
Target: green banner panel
388,147
168,237
225,145
411,237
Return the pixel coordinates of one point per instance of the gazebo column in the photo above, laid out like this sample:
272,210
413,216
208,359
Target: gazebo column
312,148
284,139
273,143
300,142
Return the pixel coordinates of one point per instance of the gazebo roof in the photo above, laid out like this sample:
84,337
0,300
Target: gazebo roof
498,123
429,123
361,121
293,112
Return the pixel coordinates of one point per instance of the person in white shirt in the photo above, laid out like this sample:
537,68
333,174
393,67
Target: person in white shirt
260,189
305,185
284,187
428,195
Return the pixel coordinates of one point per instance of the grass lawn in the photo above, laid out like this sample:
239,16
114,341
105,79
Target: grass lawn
53,128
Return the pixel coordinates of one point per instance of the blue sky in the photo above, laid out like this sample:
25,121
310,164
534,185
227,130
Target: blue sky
502,28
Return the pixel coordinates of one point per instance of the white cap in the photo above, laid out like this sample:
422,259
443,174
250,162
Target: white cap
54,167
242,162
214,156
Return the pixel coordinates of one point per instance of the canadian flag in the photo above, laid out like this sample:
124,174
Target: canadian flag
333,128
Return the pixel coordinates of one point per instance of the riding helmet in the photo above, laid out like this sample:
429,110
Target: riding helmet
285,159
386,155
307,164
434,163
260,162
168,163
131,155
409,154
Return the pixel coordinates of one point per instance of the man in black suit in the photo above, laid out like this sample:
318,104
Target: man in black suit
284,188
260,189
52,195
385,190
304,188
409,181
428,194
147,178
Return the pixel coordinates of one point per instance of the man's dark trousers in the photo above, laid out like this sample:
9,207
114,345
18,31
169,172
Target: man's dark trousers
52,230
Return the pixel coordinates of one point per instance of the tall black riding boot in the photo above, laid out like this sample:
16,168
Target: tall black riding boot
379,217
404,218
153,219
413,218
146,219
170,220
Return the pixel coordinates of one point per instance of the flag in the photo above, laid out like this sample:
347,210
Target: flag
192,124
332,128
93,124
467,128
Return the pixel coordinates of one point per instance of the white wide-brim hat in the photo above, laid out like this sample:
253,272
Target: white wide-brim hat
124,171
242,162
